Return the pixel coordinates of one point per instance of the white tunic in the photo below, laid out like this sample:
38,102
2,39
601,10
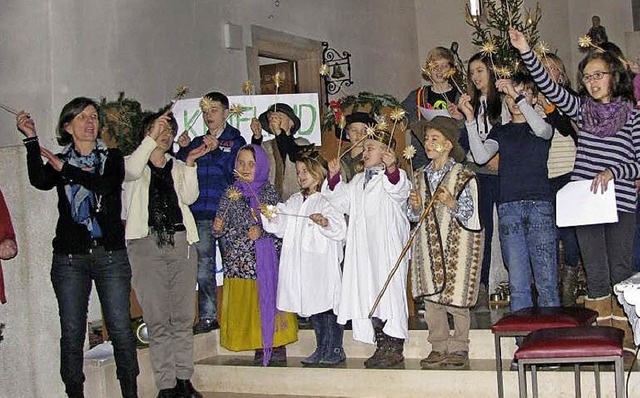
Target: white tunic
377,232
309,277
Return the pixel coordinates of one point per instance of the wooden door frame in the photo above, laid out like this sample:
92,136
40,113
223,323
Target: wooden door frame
275,44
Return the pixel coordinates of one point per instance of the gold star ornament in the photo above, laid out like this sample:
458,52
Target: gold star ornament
234,194
236,110
247,87
206,104
397,114
409,152
181,92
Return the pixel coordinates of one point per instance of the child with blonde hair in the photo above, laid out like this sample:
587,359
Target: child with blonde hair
309,277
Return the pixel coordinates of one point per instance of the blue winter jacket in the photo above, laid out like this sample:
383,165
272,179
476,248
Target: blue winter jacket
215,171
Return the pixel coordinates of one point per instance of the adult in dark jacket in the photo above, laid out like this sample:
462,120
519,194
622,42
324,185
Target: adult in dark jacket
89,242
215,174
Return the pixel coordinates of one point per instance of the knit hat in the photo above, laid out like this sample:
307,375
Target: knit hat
280,107
448,127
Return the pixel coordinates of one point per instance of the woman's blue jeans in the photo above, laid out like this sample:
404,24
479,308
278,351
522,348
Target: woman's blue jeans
72,276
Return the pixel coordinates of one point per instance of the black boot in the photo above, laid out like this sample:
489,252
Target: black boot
319,327
378,324
184,389
129,387
167,393
278,356
333,350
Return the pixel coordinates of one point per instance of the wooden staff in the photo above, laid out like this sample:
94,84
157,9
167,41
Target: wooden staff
8,109
406,248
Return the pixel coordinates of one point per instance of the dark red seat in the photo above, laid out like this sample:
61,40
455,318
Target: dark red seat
595,341
589,344
527,320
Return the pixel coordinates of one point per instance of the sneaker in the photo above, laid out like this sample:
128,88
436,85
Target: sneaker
433,360
513,366
456,360
205,326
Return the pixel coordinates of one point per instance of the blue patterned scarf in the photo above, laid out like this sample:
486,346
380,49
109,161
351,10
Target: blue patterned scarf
83,201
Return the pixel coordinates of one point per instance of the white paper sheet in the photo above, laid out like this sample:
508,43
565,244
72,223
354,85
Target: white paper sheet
429,114
577,205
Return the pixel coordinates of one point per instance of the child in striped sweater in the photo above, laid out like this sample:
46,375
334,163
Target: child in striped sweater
608,149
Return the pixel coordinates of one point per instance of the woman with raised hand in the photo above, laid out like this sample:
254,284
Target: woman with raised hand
89,241
160,230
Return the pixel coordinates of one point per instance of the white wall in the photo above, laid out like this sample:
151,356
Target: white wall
54,50
616,16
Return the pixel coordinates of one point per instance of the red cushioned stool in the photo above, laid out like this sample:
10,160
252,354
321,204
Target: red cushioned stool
527,320
590,344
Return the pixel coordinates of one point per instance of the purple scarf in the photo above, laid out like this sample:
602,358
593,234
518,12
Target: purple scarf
604,120
266,256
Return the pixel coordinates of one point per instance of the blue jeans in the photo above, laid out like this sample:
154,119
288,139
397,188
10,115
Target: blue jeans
206,249
71,276
528,241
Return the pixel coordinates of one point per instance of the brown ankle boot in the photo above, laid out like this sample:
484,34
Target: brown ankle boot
601,305
391,356
380,343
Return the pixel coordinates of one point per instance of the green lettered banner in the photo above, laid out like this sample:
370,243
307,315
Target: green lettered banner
305,106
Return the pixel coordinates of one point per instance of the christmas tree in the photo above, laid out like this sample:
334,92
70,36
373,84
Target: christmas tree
492,34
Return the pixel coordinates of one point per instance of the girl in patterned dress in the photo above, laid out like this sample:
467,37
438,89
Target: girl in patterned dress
249,319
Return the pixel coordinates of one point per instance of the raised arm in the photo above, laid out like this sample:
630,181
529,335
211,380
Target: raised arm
563,99
482,151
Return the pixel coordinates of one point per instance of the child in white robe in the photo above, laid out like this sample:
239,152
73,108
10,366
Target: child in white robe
309,280
375,201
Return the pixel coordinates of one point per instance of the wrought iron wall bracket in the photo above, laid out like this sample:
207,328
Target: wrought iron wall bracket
339,70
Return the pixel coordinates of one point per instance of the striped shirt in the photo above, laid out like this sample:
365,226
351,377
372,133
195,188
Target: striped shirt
619,152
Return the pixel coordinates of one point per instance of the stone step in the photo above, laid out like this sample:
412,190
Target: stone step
237,375
481,345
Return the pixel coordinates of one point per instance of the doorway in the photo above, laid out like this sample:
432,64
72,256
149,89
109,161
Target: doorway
288,75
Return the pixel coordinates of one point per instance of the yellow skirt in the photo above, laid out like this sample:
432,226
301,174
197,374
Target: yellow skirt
240,324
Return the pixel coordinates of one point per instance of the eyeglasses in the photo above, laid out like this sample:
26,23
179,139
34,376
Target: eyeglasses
594,76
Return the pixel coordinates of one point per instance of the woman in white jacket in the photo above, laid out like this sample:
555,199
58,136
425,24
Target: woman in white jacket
309,278
160,228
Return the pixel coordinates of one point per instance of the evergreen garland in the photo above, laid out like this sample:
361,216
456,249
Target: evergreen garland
121,122
373,103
